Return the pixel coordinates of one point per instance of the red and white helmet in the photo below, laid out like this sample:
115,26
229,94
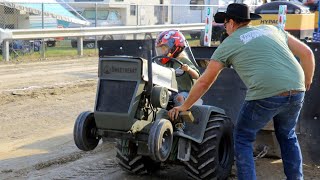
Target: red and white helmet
170,43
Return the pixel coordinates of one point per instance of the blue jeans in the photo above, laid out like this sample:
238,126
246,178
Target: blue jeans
254,115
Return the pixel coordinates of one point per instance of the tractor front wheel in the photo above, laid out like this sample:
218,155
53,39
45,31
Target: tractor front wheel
84,132
160,140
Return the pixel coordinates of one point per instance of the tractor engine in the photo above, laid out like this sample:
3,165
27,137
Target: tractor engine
125,95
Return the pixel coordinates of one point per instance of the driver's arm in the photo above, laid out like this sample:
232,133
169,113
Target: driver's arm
189,67
193,73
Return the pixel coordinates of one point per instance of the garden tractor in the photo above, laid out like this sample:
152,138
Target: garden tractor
132,102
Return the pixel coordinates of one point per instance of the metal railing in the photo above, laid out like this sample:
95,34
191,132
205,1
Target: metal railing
19,34
82,24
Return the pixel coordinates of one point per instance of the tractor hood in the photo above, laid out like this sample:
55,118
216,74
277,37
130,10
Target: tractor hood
161,76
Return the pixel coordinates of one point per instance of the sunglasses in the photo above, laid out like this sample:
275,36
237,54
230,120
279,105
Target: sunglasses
225,23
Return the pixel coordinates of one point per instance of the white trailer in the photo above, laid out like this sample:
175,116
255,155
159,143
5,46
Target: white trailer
125,12
194,11
121,12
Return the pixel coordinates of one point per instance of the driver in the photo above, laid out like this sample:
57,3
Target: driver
172,43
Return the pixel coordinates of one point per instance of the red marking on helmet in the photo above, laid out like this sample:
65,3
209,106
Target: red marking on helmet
164,60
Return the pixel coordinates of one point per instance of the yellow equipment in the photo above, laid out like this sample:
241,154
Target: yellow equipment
299,21
300,25
316,19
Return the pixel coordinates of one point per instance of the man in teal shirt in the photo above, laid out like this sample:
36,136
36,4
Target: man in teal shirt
264,58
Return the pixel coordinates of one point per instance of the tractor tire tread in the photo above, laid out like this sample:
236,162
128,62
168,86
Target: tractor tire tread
133,163
206,153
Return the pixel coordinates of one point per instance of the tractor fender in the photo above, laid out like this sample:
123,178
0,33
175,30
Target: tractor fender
195,130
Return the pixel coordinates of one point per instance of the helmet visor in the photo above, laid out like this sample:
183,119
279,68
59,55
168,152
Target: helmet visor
162,50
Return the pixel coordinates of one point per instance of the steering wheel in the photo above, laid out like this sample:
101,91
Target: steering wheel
179,71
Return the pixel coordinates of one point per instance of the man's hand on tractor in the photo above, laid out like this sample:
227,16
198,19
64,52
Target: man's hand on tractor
174,112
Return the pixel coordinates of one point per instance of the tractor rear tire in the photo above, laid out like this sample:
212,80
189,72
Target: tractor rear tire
213,157
89,45
131,162
84,131
107,37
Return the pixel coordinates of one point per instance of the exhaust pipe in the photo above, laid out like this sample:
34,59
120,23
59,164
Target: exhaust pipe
150,83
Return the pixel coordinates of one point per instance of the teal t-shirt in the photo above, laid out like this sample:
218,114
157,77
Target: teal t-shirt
263,60
185,82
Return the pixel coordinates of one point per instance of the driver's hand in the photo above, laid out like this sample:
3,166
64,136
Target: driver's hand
185,67
174,112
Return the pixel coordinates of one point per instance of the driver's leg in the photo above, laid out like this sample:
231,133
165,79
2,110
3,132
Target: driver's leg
180,98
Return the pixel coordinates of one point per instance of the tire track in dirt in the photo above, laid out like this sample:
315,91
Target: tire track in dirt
11,95
39,104
46,73
75,164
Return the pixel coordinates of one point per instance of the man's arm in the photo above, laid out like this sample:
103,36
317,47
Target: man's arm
306,57
199,88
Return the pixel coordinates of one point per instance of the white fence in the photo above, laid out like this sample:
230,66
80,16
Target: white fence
8,35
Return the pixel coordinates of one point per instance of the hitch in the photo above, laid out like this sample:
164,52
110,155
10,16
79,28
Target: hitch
187,116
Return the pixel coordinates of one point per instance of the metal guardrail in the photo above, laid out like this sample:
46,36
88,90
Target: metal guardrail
7,35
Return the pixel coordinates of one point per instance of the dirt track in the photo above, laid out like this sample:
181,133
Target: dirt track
39,103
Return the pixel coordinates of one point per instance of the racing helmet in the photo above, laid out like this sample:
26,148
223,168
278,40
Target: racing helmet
170,43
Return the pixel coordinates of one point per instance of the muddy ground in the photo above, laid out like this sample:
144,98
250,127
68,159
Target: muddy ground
39,102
